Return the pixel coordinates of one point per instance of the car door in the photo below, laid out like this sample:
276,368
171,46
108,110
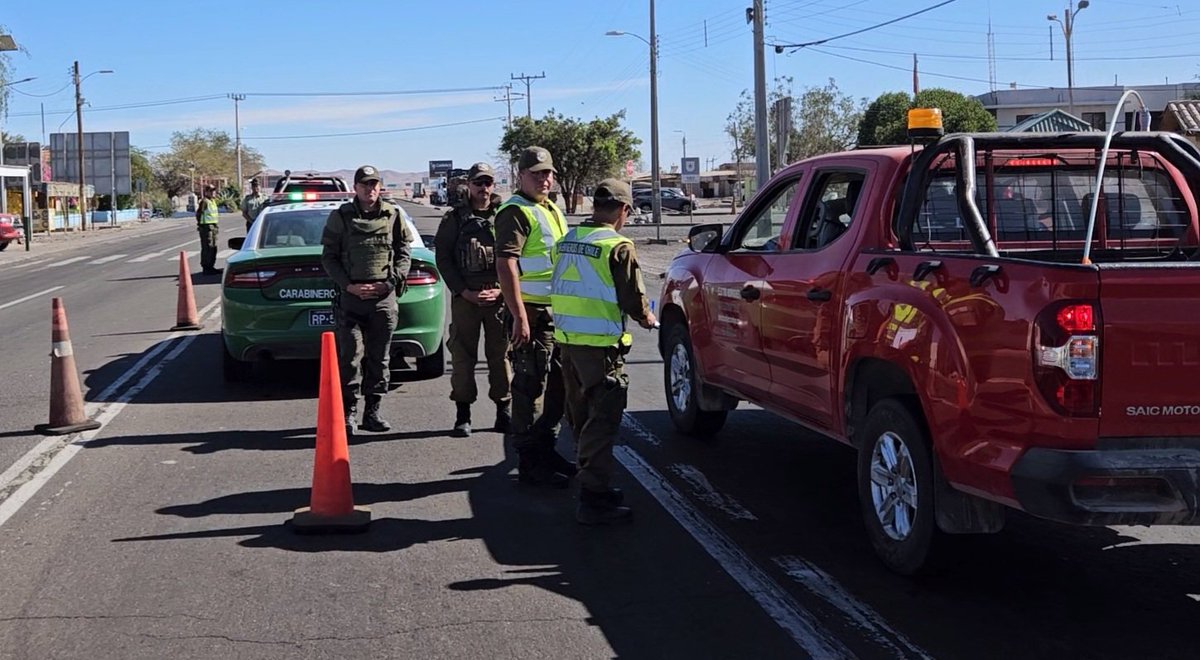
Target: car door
734,282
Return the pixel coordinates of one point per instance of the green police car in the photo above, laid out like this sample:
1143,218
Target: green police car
276,298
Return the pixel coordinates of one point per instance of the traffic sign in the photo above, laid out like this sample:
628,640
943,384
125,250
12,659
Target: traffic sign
629,168
690,169
439,167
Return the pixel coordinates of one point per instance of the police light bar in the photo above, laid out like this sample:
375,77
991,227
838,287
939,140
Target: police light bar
309,196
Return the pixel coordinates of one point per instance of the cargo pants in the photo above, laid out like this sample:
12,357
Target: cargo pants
537,386
466,320
597,391
208,245
364,340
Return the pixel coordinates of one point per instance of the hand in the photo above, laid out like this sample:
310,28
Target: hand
650,322
470,296
487,296
365,291
520,331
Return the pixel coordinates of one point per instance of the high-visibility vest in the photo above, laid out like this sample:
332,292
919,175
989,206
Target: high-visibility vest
583,294
208,212
546,227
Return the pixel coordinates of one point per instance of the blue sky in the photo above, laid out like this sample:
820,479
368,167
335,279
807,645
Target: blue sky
190,55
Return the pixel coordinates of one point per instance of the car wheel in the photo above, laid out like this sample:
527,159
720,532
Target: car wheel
434,364
646,208
683,387
895,488
4,245
233,369
685,208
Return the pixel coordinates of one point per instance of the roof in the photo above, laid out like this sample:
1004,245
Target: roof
1182,117
1054,121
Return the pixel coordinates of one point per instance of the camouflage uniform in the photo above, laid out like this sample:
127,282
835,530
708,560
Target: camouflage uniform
251,205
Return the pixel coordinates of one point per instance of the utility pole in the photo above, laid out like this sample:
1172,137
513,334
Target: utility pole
655,176
1068,26
762,154
528,96
237,131
79,146
508,98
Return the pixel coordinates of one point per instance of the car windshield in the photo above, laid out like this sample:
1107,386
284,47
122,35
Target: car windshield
303,228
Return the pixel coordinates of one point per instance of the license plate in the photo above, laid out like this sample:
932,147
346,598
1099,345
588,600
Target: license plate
320,318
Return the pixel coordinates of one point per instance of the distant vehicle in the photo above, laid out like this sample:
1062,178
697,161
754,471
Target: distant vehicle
310,183
276,298
11,229
672,199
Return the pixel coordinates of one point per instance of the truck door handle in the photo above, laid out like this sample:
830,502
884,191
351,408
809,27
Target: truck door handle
982,274
924,268
879,262
750,293
820,295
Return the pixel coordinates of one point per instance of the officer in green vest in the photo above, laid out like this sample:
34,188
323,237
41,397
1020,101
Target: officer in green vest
596,286
206,223
367,255
527,226
465,248
253,203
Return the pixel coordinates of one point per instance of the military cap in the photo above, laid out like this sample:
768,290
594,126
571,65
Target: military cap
479,170
366,173
536,159
615,190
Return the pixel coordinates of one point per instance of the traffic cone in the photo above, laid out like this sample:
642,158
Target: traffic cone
331,506
185,307
66,399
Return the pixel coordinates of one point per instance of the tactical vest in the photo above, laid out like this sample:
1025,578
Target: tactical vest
583,293
475,251
546,227
208,212
367,243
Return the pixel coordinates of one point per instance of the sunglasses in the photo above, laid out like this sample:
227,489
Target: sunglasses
483,183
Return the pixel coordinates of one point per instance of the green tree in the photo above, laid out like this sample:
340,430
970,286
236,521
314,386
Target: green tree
960,114
823,120
212,153
6,74
584,152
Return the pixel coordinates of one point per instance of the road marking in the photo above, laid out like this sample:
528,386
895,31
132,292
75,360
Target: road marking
153,255
225,253
64,262
104,260
704,490
31,296
635,427
859,614
798,623
190,254
24,478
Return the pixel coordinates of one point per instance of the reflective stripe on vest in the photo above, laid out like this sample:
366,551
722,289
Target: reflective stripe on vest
208,212
583,293
546,227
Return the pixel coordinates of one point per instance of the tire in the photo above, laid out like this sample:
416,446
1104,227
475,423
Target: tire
4,245
896,488
682,387
233,369
686,208
646,208
434,364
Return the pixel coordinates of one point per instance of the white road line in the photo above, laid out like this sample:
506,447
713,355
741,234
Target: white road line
635,427
24,478
157,253
30,296
104,260
64,262
859,614
798,623
190,254
225,253
704,490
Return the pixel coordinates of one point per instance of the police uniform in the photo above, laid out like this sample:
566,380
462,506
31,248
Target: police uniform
365,246
596,286
207,217
526,230
465,250
252,204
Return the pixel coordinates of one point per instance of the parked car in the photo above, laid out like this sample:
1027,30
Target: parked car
672,199
276,297
11,229
976,350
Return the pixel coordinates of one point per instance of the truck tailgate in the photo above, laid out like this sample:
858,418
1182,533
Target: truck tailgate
1150,351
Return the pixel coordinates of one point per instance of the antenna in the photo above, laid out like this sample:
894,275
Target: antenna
991,44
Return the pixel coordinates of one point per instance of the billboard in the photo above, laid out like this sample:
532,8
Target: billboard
439,168
25,153
106,162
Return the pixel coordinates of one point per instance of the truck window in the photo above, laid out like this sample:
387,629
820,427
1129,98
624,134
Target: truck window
761,228
829,208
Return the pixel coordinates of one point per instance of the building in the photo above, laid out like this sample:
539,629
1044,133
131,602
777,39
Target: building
1093,105
1183,117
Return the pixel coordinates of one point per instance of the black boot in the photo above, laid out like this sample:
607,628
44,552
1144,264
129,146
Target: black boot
533,469
462,422
371,420
559,463
503,417
351,419
602,507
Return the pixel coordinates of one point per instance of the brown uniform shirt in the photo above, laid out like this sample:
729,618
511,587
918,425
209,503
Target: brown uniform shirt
512,229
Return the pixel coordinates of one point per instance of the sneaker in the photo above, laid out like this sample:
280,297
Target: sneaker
462,421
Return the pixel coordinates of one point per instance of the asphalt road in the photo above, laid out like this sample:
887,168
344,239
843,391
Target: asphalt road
162,533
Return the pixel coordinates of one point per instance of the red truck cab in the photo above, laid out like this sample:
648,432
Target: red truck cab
943,311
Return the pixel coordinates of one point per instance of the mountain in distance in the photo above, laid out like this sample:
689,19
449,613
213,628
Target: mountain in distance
391,178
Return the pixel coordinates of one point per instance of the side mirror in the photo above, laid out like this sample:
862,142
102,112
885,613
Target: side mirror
427,239
236,243
703,238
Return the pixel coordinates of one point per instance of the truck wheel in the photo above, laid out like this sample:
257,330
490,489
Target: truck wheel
683,387
434,364
233,369
895,488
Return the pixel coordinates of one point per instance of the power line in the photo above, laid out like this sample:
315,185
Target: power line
42,96
400,92
393,130
779,48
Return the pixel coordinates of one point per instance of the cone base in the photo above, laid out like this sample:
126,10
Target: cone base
65,429
186,326
304,521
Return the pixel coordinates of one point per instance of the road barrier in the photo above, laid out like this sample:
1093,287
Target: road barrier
66,397
185,305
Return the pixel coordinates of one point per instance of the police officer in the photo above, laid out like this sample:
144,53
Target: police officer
206,222
252,203
367,255
465,249
527,226
596,286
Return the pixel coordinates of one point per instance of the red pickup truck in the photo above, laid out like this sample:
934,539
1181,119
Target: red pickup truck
970,320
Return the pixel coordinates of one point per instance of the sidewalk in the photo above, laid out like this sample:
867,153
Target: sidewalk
57,241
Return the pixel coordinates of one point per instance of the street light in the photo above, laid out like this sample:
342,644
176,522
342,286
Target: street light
79,143
655,183
1068,26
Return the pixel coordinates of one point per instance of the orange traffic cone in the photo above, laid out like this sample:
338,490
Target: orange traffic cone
331,507
66,399
185,307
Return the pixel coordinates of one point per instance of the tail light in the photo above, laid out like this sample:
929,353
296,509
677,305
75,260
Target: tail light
1066,356
422,275
266,275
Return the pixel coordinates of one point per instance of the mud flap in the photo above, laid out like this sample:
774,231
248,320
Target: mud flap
960,513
